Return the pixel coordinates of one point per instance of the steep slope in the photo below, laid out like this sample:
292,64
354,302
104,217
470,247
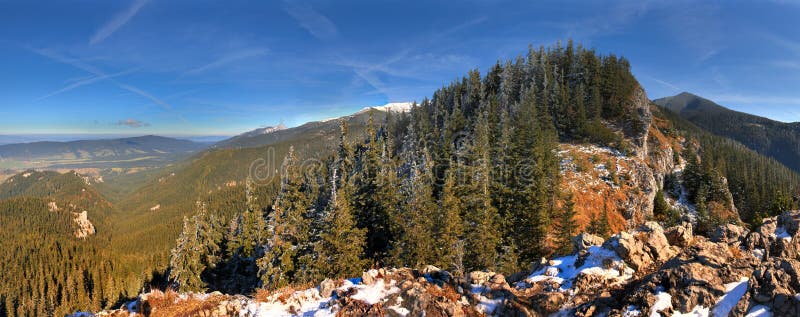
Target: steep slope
142,151
769,137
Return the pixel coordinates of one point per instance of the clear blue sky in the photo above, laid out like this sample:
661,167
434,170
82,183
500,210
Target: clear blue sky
223,67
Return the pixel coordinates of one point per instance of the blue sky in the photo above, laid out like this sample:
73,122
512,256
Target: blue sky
224,67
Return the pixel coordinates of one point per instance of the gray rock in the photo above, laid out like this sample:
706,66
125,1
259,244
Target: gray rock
327,287
680,236
585,240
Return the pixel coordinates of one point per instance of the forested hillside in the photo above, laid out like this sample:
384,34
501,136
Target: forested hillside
47,269
771,138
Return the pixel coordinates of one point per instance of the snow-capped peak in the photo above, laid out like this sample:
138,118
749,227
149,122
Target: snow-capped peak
389,107
394,107
264,130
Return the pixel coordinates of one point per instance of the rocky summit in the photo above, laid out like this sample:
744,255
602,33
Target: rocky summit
648,271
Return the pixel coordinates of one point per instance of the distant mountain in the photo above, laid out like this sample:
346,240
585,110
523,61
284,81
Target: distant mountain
775,139
124,152
271,135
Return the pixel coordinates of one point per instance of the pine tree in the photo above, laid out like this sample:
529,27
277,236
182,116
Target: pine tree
482,239
197,250
566,225
289,228
450,229
342,244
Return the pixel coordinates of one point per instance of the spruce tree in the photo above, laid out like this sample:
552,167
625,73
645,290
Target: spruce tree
566,225
450,228
289,228
341,247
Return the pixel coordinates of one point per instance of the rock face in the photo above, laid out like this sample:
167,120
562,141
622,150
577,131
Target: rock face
84,227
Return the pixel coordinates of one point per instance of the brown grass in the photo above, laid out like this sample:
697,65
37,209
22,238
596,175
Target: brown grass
735,252
165,305
263,294
447,292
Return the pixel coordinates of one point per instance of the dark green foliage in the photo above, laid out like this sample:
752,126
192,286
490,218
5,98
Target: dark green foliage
663,212
197,252
778,140
755,181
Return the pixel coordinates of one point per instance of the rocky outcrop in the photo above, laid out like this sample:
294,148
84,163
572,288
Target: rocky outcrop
585,240
83,227
637,128
675,272
775,284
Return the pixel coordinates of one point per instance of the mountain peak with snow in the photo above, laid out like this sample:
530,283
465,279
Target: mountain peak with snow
264,130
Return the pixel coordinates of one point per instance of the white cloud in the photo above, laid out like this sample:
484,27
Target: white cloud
84,82
230,58
314,22
119,20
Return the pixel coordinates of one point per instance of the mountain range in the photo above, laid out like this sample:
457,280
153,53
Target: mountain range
771,138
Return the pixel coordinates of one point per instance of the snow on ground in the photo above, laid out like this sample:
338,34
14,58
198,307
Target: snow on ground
663,301
305,303
631,311
485,305
725,303
310,303
375,292
758,253
759,311
563,271
733,293
781,233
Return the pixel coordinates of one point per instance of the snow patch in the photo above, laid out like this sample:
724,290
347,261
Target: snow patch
599,261
631,311
733,293
759,311
758,253
485,305
663,301
375,292
393,107
781,233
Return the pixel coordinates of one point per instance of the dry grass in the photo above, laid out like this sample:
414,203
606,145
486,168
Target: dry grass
158,299
169,304
284,293
447,292
735,252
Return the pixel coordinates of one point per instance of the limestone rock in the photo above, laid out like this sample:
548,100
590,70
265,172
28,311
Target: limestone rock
680,236
585,240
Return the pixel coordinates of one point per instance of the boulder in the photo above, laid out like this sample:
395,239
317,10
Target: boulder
585,240
680,236
775,284
497,283
327,286
729,233
652,234
631,250
790,221
479,277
